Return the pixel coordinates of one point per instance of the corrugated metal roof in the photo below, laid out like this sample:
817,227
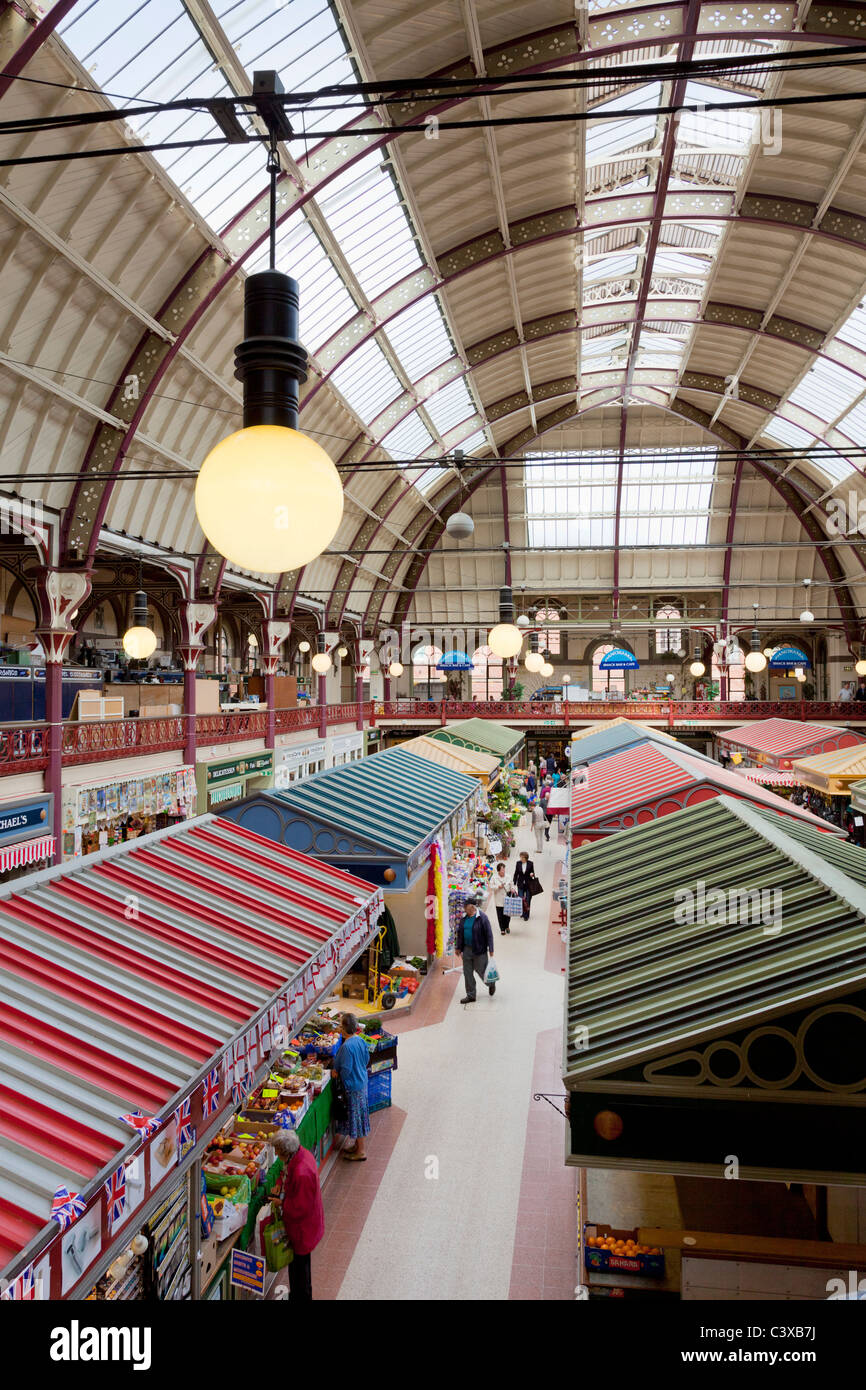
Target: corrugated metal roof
832,772
457,757
121,978
787,736
623,723
394,799
620,734
483,734
642,983
637,777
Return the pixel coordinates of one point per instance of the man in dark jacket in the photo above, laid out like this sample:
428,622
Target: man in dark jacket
475,944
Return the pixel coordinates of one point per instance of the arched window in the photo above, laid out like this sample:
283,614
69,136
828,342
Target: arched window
606,682
736,675
252,652
424,673
486,674
668,639
548,638
222,650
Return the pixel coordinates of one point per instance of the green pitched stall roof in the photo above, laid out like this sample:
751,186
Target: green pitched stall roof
393,799
736,1029
643,984
483,734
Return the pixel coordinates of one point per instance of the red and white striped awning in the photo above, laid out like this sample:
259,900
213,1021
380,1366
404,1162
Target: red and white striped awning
768,776
27,852
783,737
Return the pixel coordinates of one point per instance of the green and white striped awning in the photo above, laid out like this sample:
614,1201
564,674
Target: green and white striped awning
393,799
228,791
643,981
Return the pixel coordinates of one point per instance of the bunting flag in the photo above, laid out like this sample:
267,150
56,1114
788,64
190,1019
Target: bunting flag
145,1125
183,1120
240,1090
210,1092
115,1195
252,1050
264,1029
24,1287
66,1207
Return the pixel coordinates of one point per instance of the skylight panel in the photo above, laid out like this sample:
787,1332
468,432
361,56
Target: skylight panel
474,442
853,331
419,338
603,345
426,481
706,129
827,390
367,381
607,138
786,433
450,405
612,266
409,439
834,465
364,211
668,262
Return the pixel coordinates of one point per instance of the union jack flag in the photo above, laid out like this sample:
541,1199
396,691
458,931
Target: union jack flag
24,1287
210,1089
115,1195
144,1124
66,1207
241,1089
183,1120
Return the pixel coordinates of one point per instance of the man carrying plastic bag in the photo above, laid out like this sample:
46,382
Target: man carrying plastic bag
474,942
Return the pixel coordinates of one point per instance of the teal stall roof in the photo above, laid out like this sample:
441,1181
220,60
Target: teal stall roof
484,734
393,799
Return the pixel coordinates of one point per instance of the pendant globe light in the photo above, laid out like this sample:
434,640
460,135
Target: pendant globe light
697,667
807,616
321,662
268,498
303,647
547,670
533,660
755,658
139,640
505,639
342,652
860,666
396,668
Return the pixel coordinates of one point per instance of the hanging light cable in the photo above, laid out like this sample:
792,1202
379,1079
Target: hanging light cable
268,498
755,658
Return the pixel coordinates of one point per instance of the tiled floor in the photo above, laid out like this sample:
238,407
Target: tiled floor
465,1194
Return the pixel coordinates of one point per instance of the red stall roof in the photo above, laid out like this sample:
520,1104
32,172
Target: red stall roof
646,781
781,738
123,975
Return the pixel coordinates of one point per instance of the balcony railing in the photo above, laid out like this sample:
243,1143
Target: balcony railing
25,747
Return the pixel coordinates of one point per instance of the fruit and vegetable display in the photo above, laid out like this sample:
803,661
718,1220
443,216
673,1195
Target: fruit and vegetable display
233,1156
607,1249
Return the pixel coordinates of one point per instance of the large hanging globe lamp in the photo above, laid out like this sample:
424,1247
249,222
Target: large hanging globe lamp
534,662
139,640
697,668
268,498
547,670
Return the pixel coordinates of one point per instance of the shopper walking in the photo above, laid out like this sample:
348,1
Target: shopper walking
498,891
551,761
350,1066
475,945
303,1216
525,882
539,825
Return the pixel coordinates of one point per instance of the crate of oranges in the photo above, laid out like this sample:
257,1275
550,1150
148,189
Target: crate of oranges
606,1249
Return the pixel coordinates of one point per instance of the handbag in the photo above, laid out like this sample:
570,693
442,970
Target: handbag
534,887
339,1101
278,1251
513,906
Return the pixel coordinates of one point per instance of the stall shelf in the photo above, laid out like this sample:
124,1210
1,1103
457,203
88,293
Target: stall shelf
648,781
150,982
714,998
777,743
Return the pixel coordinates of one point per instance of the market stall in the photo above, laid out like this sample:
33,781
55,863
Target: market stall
145,992
615,735
719,1011
26,842
831,774
100,814
777,743
486,736
648,781
393,818
227,780
486,767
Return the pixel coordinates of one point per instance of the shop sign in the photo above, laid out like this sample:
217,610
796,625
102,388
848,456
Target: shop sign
19,821
68,673
241,767
248,1271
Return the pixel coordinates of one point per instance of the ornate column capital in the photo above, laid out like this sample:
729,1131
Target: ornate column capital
196,616
61,593
274,633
